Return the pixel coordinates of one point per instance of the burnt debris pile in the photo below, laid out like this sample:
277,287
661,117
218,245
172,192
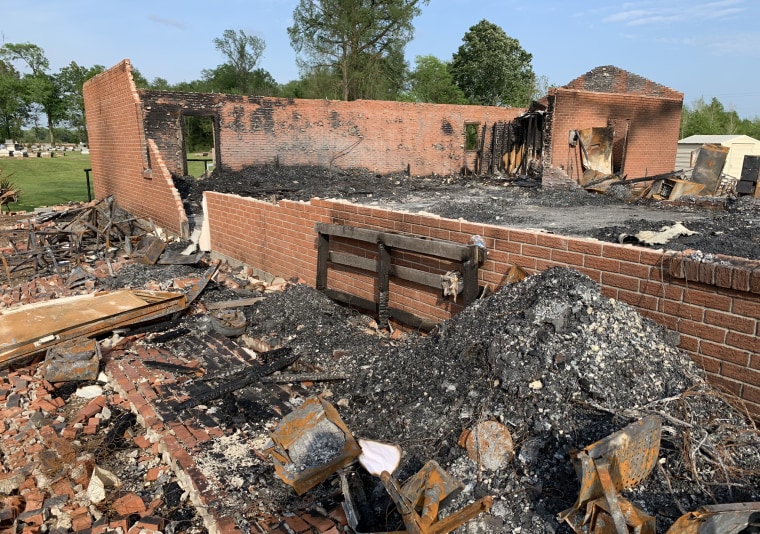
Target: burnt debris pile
557,363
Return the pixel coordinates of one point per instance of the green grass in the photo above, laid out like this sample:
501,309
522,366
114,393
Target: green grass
47,181
196,168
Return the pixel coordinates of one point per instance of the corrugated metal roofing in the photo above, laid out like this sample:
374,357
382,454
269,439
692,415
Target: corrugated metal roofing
702,139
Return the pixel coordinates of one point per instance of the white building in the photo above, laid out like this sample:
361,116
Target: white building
739,146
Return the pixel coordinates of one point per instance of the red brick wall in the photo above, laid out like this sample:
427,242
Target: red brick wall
714,306
382,136
123,163
653,125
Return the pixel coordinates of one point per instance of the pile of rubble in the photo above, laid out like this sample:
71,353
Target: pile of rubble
557,363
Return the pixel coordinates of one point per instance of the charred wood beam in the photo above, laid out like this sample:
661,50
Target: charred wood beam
251,377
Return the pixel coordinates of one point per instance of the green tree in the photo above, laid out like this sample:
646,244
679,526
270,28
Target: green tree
243,52
431,81
317,82
71,79
492,68
225,79
14,106
42,88
356,39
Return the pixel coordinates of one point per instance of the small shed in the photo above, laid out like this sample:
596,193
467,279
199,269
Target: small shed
738,145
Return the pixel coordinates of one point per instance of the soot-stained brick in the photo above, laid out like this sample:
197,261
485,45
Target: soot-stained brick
262,118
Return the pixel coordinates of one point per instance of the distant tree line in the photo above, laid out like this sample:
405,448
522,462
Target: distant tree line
703,118
346,50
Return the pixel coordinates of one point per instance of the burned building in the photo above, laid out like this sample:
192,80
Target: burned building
138,147
639,121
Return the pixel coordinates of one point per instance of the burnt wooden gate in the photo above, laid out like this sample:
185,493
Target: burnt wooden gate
467,258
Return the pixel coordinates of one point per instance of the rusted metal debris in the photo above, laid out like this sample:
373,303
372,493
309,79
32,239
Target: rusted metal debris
418,500
424,493
78,359
619,461
709,165
310,444
719,518
673,189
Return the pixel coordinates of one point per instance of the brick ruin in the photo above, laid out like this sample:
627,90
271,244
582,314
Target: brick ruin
137,145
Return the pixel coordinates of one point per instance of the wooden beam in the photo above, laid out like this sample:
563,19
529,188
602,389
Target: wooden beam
433,247
352,260
323,253
383,284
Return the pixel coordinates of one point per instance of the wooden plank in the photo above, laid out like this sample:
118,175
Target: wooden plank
401,316
352,260
351,300
418,277
383,284
432,247
237,303
35,328
403,273
350,232
412,320
323,252
470,276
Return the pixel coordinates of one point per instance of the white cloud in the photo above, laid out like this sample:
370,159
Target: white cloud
661,13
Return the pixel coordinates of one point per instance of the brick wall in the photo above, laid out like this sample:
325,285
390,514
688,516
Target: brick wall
652,125
124,164
713,305
382,136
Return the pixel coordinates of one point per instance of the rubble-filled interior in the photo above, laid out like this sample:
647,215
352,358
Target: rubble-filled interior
180,421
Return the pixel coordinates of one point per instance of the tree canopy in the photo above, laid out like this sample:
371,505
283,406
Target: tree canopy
40,87
492,69
361,41
239,74
712,118
431,81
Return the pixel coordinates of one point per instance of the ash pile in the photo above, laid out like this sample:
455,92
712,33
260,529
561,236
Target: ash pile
554,361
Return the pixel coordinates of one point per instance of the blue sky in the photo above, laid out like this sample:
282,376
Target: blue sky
703,48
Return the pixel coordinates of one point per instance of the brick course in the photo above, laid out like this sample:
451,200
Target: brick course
718,326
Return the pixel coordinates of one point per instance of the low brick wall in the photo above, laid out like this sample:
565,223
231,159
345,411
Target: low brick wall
714,303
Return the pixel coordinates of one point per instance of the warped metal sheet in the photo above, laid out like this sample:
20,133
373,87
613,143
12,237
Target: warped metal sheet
710,162
596,152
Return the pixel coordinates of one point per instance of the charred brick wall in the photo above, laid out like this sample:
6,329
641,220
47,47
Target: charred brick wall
164,112
712,305
645,115
652,125
378,135
124,164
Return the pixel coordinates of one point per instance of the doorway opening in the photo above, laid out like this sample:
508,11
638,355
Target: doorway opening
200,150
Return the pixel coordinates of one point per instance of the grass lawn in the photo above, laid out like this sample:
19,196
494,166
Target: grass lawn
47,181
